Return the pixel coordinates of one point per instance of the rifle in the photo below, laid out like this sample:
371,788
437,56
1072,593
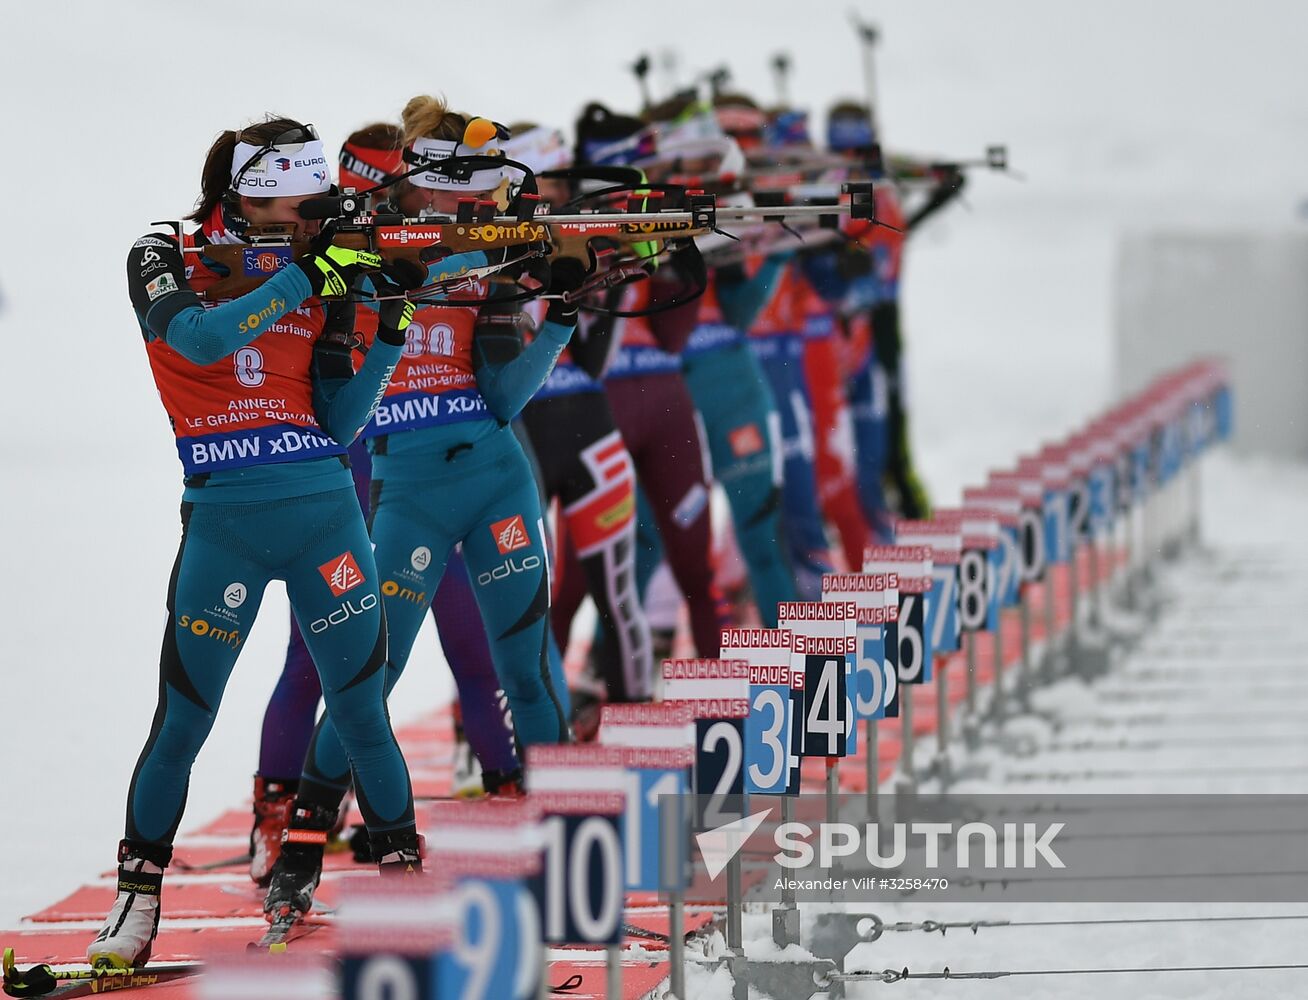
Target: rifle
614,245
910,169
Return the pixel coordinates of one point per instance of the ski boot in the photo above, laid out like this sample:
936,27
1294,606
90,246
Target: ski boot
398,852
273,801
588,695
128,934
467,777
298,869
503,784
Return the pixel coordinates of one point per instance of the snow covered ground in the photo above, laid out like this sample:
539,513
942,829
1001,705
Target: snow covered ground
1122,114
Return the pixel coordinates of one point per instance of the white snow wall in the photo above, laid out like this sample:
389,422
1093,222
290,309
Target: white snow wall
1241,295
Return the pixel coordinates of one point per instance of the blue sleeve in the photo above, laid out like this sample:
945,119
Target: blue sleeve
508,374
742,300
170,310
208,335
343,400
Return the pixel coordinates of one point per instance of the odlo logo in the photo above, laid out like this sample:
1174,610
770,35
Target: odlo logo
510,534
508,568
342,573
344,613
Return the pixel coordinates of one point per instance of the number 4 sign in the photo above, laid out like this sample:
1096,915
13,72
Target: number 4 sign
823,650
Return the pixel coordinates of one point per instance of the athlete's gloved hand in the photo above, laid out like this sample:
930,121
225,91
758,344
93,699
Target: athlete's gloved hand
331,270
567,274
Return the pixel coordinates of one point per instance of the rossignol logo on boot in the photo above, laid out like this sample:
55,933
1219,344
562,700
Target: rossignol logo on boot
510,534
342,573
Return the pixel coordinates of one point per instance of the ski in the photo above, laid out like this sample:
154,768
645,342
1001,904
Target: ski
211,866
283,929
46,981
631,930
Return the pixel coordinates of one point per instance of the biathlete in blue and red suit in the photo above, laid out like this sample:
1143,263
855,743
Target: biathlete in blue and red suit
652,407
584,463
263,399
448,470
370,157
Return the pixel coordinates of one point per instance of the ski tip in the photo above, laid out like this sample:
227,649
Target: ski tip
278,948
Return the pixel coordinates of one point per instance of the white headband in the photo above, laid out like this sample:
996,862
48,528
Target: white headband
731,159
481,179
539,148
292,168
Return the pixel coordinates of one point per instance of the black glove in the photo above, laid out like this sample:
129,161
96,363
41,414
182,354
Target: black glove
332,270
853,262
395,313
567,274
730,274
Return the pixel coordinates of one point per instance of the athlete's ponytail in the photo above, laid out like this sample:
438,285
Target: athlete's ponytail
427,117
216,178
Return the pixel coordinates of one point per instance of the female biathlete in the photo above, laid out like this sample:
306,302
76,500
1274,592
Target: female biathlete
263,399
448,469
372,156
651,406
584,463
724,378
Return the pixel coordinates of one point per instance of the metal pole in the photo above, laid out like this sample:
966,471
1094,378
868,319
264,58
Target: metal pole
1024,665
997,707
785,918
735,904
677,946
908,780
832,787
873,766
614,977
942,724
1051,625
969,640
672,837
735,936
869,35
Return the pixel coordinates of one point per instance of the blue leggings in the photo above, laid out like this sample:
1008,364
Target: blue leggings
782,360
288,722
489,502
319,546
740,421
869,411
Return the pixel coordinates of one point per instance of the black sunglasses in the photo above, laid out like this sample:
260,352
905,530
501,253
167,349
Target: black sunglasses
298,134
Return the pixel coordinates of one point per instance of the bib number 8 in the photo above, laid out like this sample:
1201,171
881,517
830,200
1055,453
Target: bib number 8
249,366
